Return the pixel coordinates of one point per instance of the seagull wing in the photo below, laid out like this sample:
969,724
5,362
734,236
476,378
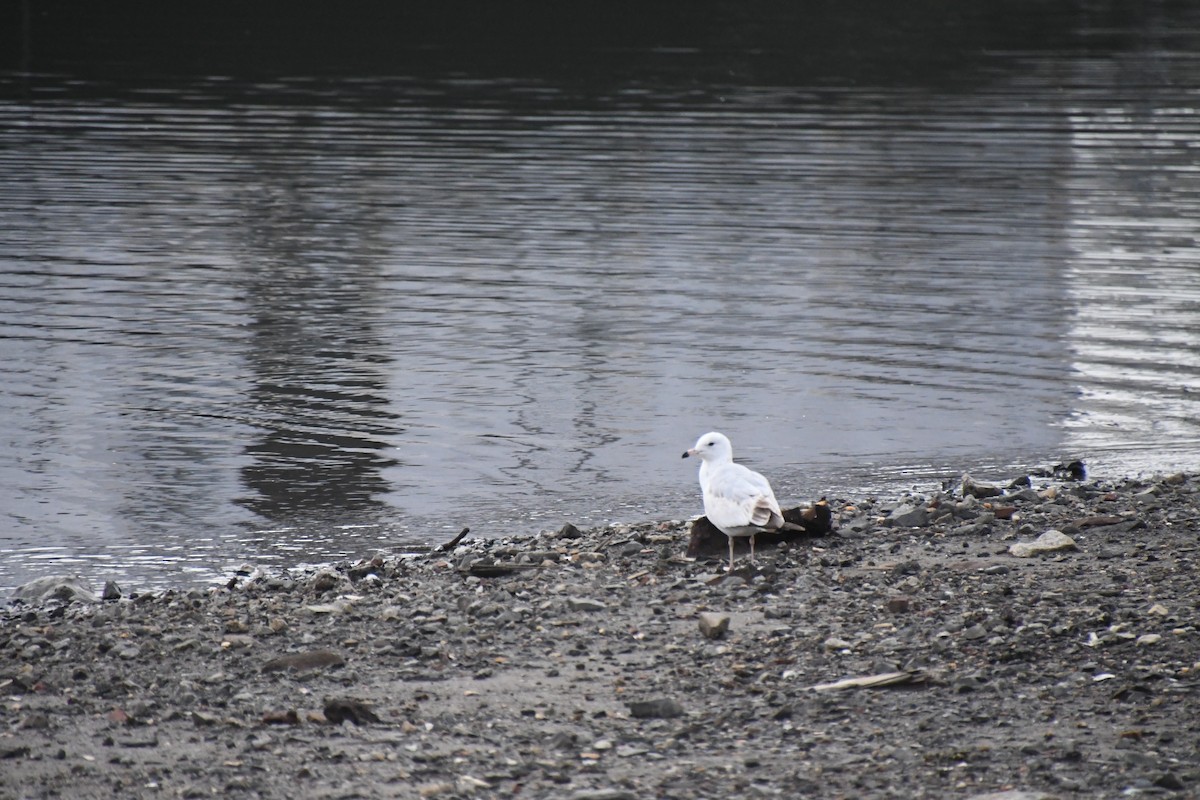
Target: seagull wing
737,497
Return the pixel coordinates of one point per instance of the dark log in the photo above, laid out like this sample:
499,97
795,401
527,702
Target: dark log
803,522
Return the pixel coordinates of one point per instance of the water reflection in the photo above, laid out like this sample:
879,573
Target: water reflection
316,363
1135,243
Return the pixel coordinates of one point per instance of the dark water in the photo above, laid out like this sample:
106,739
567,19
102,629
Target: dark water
290,303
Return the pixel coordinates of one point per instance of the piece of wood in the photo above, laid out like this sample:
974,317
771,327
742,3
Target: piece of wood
799,522
450,545
910,677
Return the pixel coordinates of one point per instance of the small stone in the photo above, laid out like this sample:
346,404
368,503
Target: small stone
1149,639
585,604
604,794
714,625
304,662
974,632
979,489
339,710
326,580
1049,542
661,708
569,531
899,605
8,751
112,591
1013,794
1004,512
1170,781
834,643
1159,610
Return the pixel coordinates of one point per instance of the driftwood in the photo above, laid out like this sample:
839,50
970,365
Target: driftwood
453,543
911,677
801,522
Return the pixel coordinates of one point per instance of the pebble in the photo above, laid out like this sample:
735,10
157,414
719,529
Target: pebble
660,708
899,605
714,625
1051,541
304,662
979,489
585,604
569,531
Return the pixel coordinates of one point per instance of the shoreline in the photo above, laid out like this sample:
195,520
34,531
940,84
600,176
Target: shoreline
606,664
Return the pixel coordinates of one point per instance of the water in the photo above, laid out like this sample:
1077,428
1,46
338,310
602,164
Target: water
287,316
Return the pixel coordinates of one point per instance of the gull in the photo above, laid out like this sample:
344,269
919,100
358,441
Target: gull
737,500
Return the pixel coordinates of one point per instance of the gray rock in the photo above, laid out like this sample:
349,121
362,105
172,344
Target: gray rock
304,662
660,708
1013,794
604,794
1051,541
569,531
585,604
714,625
909,516
974,632
899,604
65,588
112,591
979,489
1170,781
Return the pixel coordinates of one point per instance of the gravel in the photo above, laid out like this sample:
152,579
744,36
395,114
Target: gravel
877,661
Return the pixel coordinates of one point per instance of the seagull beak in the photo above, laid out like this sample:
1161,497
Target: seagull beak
689,453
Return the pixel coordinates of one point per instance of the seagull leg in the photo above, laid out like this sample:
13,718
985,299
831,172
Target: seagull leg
730,553
752,547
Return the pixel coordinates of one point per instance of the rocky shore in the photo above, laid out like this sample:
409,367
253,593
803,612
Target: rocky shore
1019,640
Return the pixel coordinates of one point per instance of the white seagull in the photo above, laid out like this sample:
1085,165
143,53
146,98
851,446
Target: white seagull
737,500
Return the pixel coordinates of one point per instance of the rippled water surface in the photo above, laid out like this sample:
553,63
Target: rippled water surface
293,317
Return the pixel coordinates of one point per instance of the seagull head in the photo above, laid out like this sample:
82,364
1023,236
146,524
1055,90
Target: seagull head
712,447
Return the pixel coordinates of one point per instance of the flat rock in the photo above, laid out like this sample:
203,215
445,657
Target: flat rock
659,708
343,709
979,489
1014,794
585,604
908,515
604,794
55,587
1051,541
304,662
